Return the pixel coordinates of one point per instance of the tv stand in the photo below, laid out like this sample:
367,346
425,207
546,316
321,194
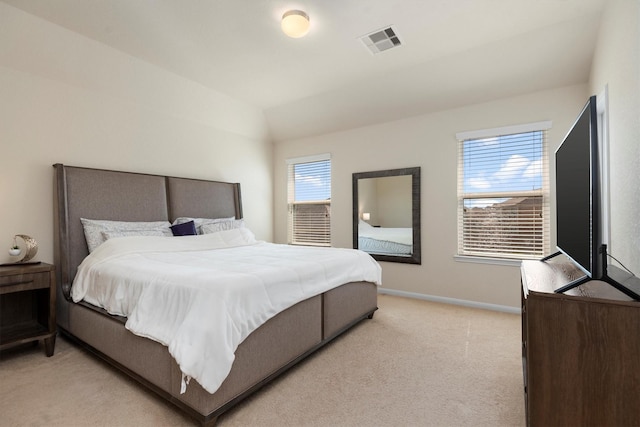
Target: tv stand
626,283
579,349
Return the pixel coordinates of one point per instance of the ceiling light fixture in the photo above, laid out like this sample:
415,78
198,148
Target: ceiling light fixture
295,23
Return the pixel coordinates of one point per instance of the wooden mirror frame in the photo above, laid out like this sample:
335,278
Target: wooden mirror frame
416,256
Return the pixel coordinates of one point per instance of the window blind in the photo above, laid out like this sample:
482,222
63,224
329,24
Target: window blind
309,201
503,195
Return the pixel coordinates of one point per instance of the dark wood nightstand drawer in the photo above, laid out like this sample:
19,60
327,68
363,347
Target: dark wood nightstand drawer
23,282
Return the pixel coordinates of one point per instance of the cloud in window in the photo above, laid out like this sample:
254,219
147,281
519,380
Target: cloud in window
315,181
534,170
485,142
513,168
479,183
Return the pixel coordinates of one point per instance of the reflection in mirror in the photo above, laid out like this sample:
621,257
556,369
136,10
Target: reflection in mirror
386,214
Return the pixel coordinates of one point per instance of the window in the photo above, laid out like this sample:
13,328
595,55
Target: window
503,192
309,198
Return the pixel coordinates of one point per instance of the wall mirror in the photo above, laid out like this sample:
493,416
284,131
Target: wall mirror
386,214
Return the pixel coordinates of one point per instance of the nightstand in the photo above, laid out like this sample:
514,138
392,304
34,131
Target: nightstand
28,305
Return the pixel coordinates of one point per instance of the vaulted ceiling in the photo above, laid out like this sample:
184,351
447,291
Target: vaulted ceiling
453,53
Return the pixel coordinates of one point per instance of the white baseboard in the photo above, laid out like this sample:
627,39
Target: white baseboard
455,301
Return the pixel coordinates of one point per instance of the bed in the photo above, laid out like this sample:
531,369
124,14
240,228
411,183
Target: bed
269,349
385,240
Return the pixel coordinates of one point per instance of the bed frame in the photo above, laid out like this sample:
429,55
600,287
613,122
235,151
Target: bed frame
270,350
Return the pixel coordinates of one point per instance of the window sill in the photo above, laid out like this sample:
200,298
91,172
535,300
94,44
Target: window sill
487,260
315,245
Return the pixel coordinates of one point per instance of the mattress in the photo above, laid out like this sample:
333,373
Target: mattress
385,240
383,247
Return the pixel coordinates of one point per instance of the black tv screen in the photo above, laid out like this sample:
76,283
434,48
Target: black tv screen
577,193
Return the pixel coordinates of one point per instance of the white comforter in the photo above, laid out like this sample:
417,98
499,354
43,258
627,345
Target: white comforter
201,296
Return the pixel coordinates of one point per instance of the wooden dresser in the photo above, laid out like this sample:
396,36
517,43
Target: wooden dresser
28,305
580,350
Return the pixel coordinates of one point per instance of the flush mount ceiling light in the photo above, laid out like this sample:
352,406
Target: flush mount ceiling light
295,23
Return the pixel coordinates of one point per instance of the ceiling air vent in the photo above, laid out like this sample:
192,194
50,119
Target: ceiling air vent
381,40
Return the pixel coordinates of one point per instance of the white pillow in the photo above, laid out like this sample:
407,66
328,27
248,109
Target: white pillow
221,226
93,229
112,234
199,222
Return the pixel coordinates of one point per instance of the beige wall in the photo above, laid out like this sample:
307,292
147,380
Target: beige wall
387,200
617,66
368,199
68,99
395,201
428,141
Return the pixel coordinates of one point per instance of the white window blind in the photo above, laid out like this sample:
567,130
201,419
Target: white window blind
309,199
503,193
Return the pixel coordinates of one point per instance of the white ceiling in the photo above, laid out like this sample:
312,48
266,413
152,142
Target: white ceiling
454,52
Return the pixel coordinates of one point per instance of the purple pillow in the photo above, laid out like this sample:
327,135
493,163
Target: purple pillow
184,229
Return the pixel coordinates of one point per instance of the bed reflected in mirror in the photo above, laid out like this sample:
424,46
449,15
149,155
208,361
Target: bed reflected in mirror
386,214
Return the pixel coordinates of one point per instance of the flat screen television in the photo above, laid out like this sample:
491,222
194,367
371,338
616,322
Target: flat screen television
578,206
578,194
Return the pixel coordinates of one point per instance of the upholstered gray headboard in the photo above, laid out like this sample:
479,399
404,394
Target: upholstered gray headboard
126,196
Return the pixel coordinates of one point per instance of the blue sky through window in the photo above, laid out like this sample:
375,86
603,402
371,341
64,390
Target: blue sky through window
312,181
508,163
503,163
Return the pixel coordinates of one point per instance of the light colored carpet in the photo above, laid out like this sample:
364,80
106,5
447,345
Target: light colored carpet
416,363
